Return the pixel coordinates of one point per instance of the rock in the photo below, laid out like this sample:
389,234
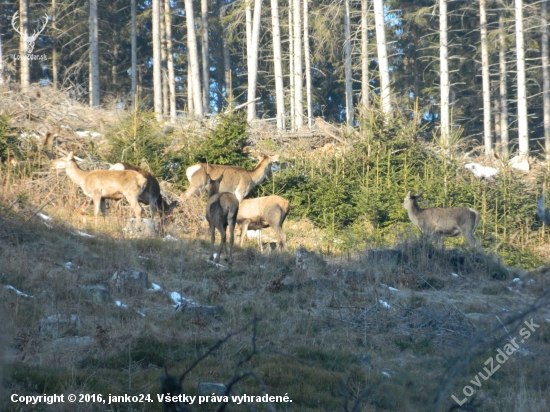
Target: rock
142,228
308,262
208,388
128,280
390,257
202,311
98,293
57,326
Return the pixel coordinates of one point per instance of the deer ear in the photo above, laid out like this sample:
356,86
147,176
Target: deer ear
419,194
408,195
70,156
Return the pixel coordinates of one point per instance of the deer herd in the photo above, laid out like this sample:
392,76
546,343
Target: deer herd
227,187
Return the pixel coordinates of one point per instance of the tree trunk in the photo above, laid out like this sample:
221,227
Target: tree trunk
23,46
298,71
253,62
291,59
170,60
523,126
545,77
226,55
487,129
133,34
382,56
307,61
278,65
157,61
194,80
503,90
163,66
444,72
365,89
94,55
55,56
205,57
347,66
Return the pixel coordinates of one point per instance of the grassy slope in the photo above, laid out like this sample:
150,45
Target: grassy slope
325,342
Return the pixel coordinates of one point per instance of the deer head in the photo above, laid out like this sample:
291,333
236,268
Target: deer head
29,39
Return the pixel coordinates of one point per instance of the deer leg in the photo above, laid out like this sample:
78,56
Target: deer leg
135,205
222,243
244,228
97,205
281,235
232,222
212,239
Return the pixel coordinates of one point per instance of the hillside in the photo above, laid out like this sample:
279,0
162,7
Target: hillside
387,324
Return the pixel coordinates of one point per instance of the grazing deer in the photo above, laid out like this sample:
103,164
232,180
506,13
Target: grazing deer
221,211
262,212
151,194
105,184
236,179
438,222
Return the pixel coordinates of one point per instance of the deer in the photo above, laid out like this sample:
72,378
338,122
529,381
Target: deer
263,212
237,180
105,184
438,222
221,211
151,195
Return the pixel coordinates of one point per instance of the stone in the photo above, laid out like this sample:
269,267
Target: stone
60,325
98,293
208,388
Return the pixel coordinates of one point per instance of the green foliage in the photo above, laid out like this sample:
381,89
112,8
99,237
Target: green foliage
138,140
225,143
356,194
8,142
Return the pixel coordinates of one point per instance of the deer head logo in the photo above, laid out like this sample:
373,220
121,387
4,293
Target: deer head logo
29,39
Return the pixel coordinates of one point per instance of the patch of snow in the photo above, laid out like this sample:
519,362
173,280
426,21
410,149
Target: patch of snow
68,265
155,287
480,171
169,238
18,291
385,304
84,234
454,275
519,163
386,374
43,216
120,304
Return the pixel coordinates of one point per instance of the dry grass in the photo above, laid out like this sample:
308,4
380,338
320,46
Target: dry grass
334,335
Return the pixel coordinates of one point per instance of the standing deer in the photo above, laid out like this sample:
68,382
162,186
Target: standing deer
236,179
105,184
263,212
221,211
151,194
438,222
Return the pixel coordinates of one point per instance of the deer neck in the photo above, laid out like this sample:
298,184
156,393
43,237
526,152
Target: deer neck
76,174
414,211
260,171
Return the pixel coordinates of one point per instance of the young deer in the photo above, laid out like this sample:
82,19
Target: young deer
151,194
263,212
437,222
105,184
236,179
221,211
